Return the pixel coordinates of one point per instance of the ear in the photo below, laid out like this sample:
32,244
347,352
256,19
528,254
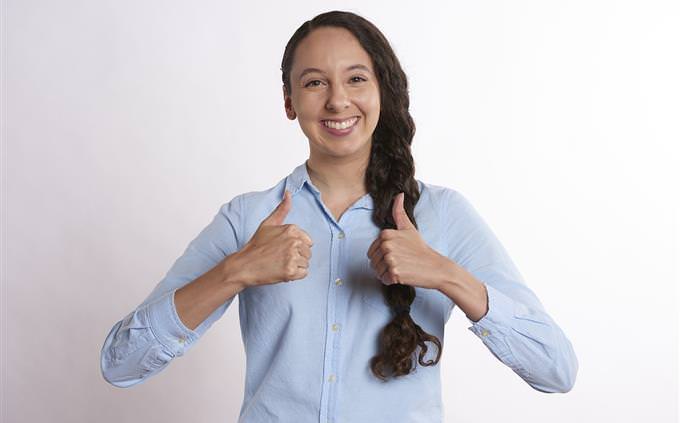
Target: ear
287,104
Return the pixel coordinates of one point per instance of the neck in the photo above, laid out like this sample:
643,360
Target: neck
338,177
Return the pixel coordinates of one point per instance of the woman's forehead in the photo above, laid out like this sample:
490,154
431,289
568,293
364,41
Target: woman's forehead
329,49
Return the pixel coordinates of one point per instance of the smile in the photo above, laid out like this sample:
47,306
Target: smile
340,125
340,128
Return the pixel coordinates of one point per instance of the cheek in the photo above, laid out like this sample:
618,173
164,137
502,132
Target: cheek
307,107
370,102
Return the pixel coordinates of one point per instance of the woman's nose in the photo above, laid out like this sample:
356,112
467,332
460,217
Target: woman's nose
337,98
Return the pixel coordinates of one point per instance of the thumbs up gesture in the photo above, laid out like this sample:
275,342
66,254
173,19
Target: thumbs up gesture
402,256
276,252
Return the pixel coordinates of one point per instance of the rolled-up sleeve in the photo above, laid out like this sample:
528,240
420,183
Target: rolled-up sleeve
516,328
146,340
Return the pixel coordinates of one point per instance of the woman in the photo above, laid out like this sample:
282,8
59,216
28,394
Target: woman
347,269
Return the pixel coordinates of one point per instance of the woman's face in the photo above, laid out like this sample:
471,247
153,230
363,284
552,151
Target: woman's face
333,84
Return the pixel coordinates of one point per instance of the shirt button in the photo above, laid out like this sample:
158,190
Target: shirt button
335,327
331,378
181,340
485,332
338,281
341,235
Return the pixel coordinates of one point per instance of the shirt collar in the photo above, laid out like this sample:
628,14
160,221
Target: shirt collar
297,179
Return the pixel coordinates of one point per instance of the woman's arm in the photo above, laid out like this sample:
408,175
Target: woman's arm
505,314
144,342
196,300
468,293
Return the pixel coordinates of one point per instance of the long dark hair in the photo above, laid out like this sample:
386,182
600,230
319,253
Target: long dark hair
390,171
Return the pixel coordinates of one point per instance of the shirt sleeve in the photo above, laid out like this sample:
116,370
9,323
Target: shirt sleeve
145,341
516,328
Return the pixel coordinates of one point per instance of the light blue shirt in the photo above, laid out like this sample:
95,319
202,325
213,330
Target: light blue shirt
308,342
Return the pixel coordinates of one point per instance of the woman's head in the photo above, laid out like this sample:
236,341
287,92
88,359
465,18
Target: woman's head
332,42
355,40
332,83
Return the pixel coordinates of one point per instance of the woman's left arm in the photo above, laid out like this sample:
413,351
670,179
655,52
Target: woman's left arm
505,314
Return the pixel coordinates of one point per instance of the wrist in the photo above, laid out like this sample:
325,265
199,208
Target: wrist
449,276
232,271
466,291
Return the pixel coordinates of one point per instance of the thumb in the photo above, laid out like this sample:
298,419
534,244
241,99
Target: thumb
279,214
399,214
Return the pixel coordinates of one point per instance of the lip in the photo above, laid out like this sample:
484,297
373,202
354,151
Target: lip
340,132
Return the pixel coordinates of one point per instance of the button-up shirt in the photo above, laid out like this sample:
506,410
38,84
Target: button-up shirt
308,342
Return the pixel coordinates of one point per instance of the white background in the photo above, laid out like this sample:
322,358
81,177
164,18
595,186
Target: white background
127,124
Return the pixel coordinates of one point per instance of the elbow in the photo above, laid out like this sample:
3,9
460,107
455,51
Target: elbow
568,372
116,383
560,379
564,381
567,369
113,376
135,368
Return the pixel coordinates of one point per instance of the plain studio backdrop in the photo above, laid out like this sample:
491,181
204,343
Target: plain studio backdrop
127,124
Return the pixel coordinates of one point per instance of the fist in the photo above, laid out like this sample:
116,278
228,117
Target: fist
276,252
401,255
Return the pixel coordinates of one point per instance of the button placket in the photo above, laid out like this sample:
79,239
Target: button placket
333,335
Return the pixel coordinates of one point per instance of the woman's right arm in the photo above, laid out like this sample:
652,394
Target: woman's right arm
167,323
199,288
198,299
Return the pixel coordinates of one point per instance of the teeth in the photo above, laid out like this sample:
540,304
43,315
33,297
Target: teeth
340,125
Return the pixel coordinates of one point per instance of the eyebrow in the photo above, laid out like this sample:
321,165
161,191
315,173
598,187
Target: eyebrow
310,70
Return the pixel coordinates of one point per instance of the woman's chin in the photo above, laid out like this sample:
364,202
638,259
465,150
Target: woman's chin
343,149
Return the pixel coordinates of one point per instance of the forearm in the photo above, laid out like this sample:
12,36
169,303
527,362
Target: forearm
467,292
198,299
522,336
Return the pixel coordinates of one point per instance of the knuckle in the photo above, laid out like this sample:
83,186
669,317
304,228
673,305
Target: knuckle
290,272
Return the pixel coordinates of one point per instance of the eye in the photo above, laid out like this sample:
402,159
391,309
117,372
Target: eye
311,83
360,79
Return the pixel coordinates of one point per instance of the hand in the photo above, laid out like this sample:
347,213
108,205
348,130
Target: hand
276,252
402,256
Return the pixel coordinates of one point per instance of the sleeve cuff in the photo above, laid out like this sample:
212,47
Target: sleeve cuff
495,327
167,327
498,319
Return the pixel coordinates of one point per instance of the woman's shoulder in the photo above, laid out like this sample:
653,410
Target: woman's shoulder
440,195
255,200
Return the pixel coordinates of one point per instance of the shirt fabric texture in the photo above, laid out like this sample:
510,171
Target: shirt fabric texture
308,342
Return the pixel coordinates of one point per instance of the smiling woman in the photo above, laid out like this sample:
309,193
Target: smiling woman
347,269
333,92
337,101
